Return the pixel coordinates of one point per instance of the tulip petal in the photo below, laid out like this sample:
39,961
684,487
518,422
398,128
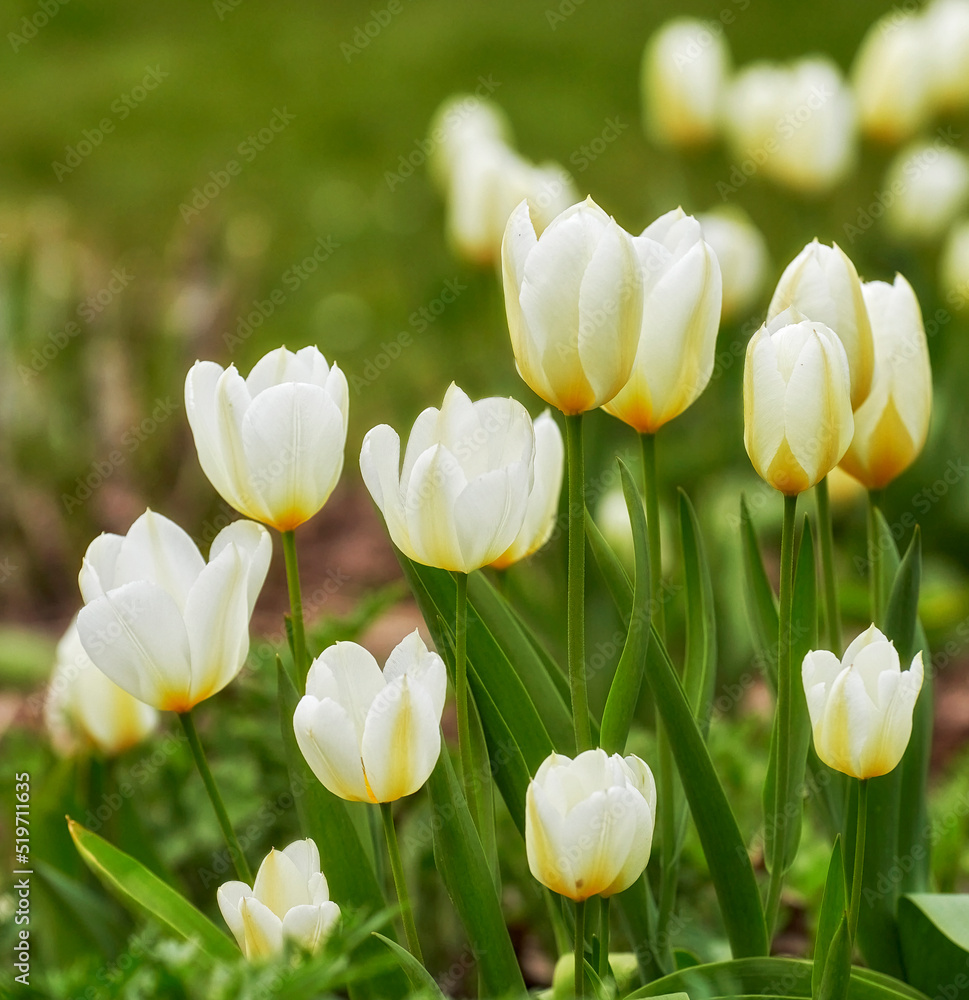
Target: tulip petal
432,493
600,832
380,469
306,856
347,673
422,666
326,738
310,925
549,858
110,716
98,568
871,635
280,884
895,729
253,540
490,512
263,929
229,896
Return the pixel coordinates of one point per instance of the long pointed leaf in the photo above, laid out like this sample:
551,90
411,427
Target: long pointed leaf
834,903
760,601
700,658
419,978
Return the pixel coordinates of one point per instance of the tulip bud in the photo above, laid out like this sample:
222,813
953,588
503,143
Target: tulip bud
861,707
460,123
271,444
574,299
85,710
543,501
796,124
742,254
822,284
684,72
290,901
892,78
589,823
678,333
893,422
931,186
163,624
954,266
461,498
947,26
797,406
371,736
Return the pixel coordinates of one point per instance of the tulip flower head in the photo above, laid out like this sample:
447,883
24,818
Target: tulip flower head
271,444
574,299
861,707
589,823
954,266
797,404
822,284
947,25
84,710
680,320
290,901
684,73
893,422
543,500
164,625
462,496
932,185
741,251
461,123
372,736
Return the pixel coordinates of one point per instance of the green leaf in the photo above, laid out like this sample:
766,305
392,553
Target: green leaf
700,658
770,977
419,978
344,861
902,612
760,601
142,890
836,977
723,845
834,903
617,716
612,570
463,868
90,912
935,942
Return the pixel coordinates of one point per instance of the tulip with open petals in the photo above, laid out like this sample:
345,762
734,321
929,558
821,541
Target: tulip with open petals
589,823
543,501
372,736
861,706
461,498
574,299
85,710
797,404
822,284
272,443
163,624
892,423
681,316
290,901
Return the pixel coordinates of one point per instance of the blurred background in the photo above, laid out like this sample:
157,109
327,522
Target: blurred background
212,180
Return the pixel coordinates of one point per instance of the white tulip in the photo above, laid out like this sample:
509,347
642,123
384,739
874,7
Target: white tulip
742,253
795,124
85,710
372,736
461,498
822,284
947,25
892,78
460,123
271,444
589,823
574,299
861,706
290,901
163,624
929,183
543,501
954,266
680,320
797,405
893,422
683,76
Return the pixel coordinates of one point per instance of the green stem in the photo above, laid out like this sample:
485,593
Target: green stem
296,608
231,841
397,867
875,583
855,908
832,612
576,623
579,948
462,695
651,496
604,969
785,706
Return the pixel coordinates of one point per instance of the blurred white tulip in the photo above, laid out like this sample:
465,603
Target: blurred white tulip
742,254
929,183
947,25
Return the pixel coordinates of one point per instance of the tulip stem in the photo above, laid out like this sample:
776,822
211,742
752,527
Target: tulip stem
462,695
779,817
651,496
296,608
603,969
576,606
875,582
231,841
397,867
579,946
859,867
832,612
